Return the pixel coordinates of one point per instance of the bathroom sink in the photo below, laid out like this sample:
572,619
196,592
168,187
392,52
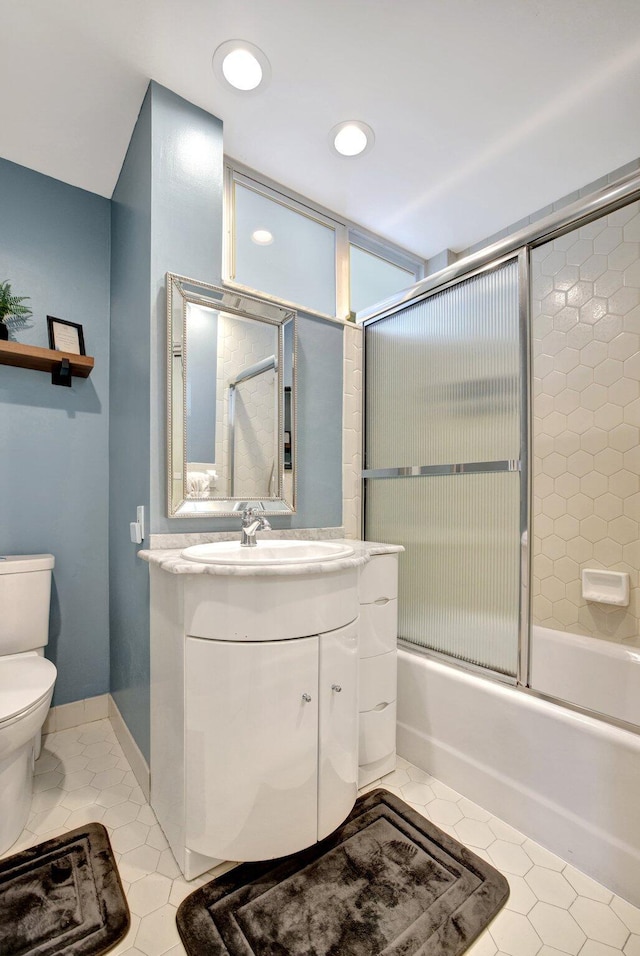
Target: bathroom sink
265,553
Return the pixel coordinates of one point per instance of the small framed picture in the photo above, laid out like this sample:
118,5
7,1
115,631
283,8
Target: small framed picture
65,336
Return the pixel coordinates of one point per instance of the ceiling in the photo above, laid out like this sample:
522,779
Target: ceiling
483,110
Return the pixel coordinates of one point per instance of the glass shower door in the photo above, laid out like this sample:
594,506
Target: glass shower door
442,476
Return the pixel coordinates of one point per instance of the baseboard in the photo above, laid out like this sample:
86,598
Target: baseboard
66,716
131,750
367,773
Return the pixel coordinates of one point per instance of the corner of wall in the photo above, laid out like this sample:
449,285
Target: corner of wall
440,261
129,446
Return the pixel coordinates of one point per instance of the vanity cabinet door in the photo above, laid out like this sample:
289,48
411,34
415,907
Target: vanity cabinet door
338,731
251,747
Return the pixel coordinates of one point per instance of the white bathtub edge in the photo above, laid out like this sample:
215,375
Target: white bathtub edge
584,838
600,675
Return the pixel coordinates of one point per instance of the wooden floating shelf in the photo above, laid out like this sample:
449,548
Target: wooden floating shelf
43,360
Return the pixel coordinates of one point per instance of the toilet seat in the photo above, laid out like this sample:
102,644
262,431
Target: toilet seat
24,682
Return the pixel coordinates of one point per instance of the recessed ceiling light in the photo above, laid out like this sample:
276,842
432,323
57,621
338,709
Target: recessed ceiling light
262,237
241,66
352,138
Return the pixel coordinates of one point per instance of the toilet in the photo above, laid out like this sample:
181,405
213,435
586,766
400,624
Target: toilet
26,682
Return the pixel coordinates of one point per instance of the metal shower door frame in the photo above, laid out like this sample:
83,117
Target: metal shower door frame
520,465
516,246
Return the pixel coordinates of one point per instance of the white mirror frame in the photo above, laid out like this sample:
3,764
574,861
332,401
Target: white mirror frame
182,291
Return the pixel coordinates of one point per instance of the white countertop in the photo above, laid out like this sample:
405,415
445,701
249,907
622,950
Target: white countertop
171,560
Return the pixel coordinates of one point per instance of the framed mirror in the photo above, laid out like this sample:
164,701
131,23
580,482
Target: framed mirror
231,402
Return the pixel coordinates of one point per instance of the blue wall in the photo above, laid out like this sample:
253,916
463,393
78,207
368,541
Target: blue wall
186,229
76,462
54,247
130,428
167,216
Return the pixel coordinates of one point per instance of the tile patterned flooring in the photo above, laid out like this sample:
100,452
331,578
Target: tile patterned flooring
553,910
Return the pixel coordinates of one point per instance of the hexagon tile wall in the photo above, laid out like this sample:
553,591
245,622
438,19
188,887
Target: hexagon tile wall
586,421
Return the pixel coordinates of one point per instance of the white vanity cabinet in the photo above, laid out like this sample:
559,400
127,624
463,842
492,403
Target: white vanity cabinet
271,743
254,741
378,597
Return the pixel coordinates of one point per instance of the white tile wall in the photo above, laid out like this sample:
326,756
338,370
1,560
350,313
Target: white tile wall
553,909
241,344
586,421
352,431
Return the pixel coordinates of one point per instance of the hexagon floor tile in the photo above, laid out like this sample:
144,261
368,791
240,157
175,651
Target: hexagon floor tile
553,910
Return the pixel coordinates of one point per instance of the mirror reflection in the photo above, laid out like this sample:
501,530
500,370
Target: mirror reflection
231,402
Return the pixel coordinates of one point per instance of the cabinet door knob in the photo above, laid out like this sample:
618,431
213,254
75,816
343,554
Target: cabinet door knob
306,698
337,688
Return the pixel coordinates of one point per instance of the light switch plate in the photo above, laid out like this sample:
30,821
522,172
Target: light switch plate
140,520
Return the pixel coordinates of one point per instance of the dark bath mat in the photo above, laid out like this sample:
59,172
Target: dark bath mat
386,882
62,896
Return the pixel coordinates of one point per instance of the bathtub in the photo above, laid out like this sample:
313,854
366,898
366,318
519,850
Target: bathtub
603,676
568,781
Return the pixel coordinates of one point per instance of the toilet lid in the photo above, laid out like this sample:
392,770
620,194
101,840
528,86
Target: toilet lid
23,682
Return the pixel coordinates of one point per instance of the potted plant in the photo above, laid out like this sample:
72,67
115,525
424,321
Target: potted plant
11,307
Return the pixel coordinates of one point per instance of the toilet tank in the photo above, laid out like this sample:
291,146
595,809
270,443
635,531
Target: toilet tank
25,594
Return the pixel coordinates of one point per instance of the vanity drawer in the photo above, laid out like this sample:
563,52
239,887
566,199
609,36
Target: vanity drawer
378,681
378,627
378,578
377,738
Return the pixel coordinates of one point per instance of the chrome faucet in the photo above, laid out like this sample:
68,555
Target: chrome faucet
252,521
